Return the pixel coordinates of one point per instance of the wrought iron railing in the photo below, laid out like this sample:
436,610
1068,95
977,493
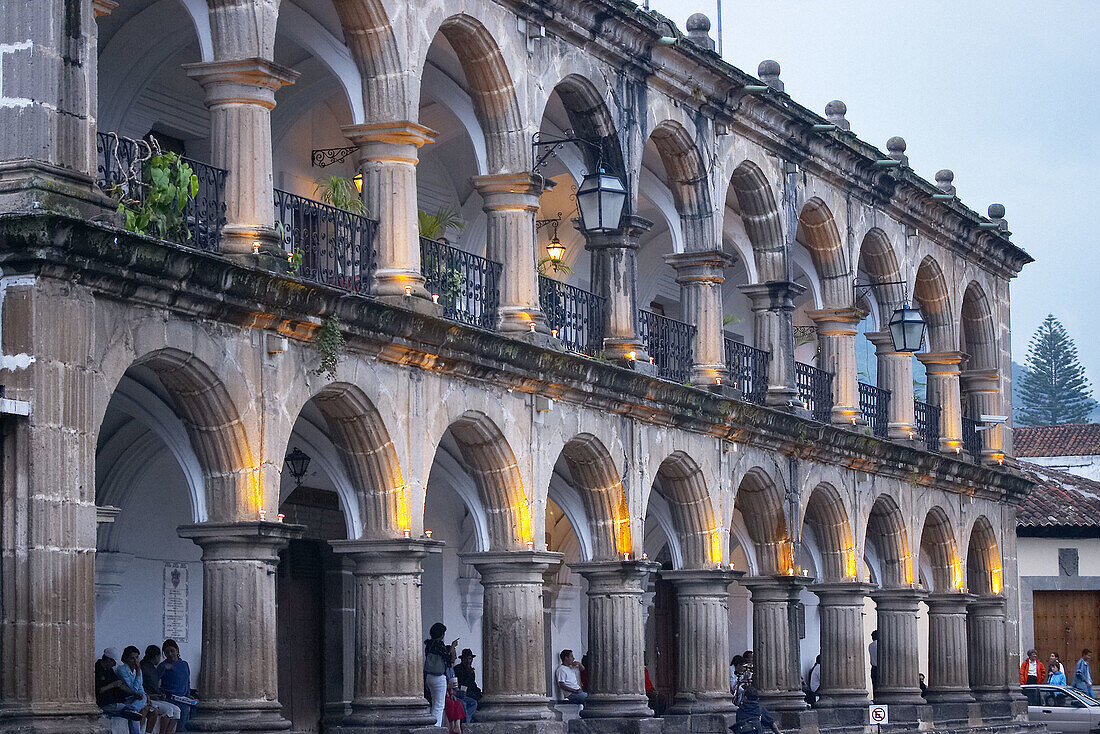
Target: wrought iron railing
971,438
815,390
874,407
575,315
748,370
926,424
467,286
668,342
121,172
326,245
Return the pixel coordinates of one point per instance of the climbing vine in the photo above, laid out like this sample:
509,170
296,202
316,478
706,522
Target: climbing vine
330,346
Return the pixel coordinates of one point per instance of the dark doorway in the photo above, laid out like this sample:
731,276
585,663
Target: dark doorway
301,634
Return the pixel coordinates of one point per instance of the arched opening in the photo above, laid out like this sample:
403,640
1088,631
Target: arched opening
760,504
889,541
827,519
754,202
939,552
983,560
878,264
930,291
980,381
818,234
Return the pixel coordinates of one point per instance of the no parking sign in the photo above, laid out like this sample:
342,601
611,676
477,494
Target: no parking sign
879,714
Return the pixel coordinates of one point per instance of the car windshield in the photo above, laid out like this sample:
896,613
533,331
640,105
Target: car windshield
1088,699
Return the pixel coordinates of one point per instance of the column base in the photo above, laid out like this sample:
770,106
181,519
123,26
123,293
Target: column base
517,321
904,697
995,704
615,726
514,709
957,713
801,721
616,706
687,704
389,729
512,727
385,714
239,716
842,715
786,400
59,722
700,723
908,717
793,701
33,186
844,699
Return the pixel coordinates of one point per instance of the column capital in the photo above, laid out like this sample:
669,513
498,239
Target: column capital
948,602
391,556
241,81
511,191
980,380
497,567
772,295
988,605
901,599
836,321
611,576
942,363
775,588
703,266
883,341
397,133
703,581
842,593
631,227
241,540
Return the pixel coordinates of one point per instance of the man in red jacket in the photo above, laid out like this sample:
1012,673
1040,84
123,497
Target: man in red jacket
1031,670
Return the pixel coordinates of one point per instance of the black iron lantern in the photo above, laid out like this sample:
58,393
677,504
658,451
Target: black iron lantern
601,199
298,463
907,327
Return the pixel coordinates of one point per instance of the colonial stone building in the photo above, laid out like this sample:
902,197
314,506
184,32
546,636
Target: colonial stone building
660,438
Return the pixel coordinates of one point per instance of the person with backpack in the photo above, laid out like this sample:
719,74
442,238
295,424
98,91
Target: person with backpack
438,658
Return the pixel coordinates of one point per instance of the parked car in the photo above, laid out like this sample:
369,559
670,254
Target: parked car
1062,709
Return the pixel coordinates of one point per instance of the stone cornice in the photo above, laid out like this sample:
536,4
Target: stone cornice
121,266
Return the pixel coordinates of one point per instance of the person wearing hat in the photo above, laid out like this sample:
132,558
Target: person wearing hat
752,716
467,679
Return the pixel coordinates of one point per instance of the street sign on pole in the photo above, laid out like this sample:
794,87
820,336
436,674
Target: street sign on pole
878,714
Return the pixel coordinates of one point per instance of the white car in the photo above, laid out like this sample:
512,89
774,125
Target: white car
1062,709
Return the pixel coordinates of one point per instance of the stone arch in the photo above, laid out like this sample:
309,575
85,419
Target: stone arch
879,260
760,213
760,503
983,560
591,119
601,491
930,291
886,530
688,180
681,484
370,38
819,233
938,544
978,337
828,517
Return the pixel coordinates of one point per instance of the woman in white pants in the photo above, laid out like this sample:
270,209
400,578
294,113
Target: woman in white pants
438,658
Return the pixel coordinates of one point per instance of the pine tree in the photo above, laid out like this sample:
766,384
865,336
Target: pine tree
1054,388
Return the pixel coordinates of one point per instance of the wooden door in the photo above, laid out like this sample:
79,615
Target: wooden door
1066,622
301,636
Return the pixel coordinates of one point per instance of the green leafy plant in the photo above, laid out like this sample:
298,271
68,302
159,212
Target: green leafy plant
295,262
341,193
546,264
729,318
449,280
168,184
434,226
330,346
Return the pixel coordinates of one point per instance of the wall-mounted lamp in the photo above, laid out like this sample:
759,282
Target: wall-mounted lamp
907,325
298,463
601,196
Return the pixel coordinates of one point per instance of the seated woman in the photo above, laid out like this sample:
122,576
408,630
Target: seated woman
175,681
154,711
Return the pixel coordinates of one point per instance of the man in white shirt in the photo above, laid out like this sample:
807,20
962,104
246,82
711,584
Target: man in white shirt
568,677
872,652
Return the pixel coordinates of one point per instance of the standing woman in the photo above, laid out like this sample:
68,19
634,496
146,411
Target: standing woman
1082,677
437,659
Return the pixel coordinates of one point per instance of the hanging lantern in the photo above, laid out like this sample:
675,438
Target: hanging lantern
298,462
555,250
907,328
601,199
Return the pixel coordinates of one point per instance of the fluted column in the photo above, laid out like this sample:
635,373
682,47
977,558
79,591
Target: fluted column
514,667
943,391
239,674
775,640
773,330
983,389
615,277
898,646
895,373
987,654
843,670
389,655
699,275
616,638
948,669
702,600
511,201
240,94
836,338
388,154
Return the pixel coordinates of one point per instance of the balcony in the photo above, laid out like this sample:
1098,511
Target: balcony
576,316
329,245
971,438
874,407
815,390
748,370
466,285
926,424
122,171
668,342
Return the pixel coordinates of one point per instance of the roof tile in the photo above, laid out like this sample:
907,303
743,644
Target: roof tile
1069,439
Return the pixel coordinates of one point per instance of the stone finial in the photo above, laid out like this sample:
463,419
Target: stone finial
768,71
834,113
698,31
997,214
895,148
945,181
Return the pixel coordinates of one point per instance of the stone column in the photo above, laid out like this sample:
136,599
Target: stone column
389,654
616,640
943,391
511,202
699,275
948,669
388,154
615,277
239,674
775,640
47,152
983,389
773,330
895,373
898,655
987,654
240,95
702,600
512,634
836,335
843,648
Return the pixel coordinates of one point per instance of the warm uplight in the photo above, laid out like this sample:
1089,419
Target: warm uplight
281,517
716,545
427,533
530,545
554,333
255,247
805,572
263,515
407,532
717,380
645,556
531,326
358,182
624,542
408,291
790,570
435,298
626,556
632,355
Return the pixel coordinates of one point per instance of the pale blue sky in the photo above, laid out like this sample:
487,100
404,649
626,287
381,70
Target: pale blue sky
1006,94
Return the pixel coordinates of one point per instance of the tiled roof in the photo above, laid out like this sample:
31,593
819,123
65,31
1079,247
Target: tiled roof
1070,439
1058,500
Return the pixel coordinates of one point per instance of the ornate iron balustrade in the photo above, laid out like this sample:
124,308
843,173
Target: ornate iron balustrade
335,247
120,171
577,315
971,438
874,406
668,342
926,424
468,286
748,370
815,390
